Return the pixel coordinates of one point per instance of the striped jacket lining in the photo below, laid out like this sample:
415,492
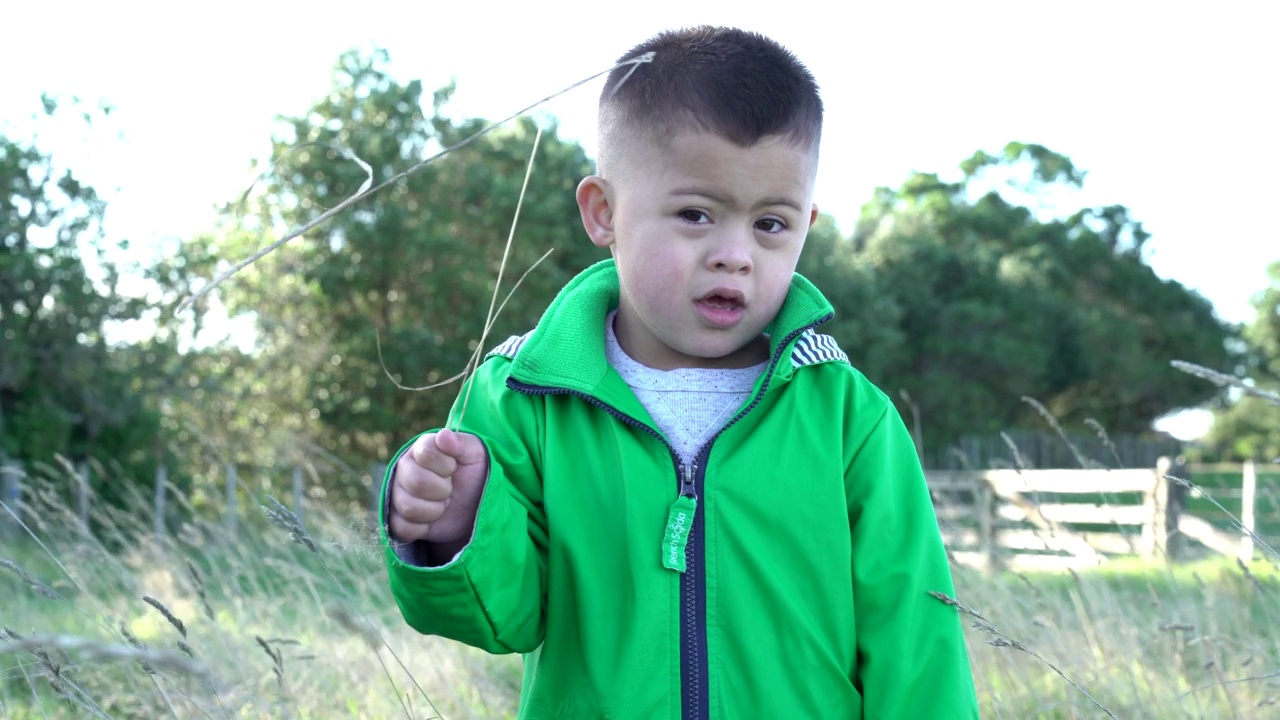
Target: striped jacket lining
811,349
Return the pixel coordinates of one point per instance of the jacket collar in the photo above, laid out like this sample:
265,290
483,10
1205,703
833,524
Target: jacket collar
566,349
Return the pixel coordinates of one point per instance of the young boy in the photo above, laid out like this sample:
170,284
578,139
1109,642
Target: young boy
673,496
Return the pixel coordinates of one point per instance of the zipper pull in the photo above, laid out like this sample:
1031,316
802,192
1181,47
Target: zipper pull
679,522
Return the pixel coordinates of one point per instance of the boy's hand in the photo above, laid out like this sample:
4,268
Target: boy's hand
437,487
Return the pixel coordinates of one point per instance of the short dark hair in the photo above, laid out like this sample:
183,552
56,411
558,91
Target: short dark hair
737,84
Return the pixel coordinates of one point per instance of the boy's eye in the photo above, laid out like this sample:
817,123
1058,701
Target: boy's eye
771,225
694,216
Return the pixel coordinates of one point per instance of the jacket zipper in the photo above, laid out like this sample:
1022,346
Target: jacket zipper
694,669
694,673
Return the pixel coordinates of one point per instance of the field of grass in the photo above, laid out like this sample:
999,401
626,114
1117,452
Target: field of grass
208,626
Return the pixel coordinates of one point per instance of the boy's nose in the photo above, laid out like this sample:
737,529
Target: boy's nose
732,253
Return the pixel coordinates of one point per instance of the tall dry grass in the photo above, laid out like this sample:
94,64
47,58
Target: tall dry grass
280,619
291,620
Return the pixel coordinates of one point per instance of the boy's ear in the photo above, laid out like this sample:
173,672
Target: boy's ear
813,215
595,204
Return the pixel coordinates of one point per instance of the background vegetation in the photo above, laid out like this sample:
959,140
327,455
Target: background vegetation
959,298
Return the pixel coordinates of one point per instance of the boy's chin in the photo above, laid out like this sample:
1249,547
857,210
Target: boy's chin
741,354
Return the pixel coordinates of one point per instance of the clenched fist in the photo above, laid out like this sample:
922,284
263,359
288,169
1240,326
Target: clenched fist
437,487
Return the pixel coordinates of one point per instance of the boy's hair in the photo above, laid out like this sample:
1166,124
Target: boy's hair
737,84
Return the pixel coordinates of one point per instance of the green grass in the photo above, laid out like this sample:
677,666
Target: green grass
1139,638
309,607
1147,641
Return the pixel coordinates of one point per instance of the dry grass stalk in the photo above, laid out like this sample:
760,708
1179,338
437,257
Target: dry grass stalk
288,520
367,191
168,615
1081,460
1000,640
359,627
34,584
1201,492
198,582
377,337
365,630
946,599
91,651
1225,380
1253,579
137,645
1235,681
478,356
277,660
52,669
1106,439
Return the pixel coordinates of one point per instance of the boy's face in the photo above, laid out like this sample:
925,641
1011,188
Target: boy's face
706,235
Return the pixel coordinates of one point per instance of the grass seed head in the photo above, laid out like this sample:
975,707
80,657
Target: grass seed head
168,615
198,582
286,519
354,625
37,586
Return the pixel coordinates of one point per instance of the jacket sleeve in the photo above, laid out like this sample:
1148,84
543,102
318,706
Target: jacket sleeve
912,659
492,595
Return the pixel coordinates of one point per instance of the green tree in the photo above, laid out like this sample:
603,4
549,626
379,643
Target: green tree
993,301
868,315
413,264
1263,334
64,390
1249,429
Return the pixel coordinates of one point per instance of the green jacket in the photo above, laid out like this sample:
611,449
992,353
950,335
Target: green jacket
808,559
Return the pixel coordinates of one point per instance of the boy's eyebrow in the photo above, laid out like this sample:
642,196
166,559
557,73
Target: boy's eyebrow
767,202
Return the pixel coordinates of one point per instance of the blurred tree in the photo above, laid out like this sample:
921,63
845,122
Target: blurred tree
1263,334
868,314
63,389
413,264
1249,429
993,301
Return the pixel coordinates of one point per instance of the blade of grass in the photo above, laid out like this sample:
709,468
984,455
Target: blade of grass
358,196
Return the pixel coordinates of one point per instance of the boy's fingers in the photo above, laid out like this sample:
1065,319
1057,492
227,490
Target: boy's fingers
416,509
465,448
427,454
421,483
406,531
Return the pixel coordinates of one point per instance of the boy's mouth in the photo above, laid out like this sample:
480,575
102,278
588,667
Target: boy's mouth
724,299
722,307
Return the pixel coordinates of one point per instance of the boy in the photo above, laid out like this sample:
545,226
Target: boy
673,496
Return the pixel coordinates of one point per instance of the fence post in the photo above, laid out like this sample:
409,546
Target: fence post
1154,538
11,495
162,481
297,492
1248,492
985,496
1175,505
1160,536
230,518
82,497
377,471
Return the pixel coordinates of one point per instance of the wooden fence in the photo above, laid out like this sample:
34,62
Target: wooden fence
989,518
1072,518
234,493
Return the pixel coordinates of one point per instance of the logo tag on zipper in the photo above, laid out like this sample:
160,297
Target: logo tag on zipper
679,524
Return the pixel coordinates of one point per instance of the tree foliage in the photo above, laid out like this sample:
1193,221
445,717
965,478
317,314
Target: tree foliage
63,389
411,267
969,302
1249,428
958,298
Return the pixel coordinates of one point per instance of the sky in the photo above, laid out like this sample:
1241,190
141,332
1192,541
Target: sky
1171,108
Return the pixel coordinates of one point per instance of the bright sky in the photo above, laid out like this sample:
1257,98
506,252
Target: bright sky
1171,110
